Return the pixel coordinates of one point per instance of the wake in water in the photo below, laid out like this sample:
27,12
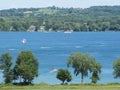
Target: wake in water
45,47
12,49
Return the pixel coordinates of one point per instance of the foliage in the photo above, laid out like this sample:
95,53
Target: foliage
26,67
6,66
95,68
64,75
82,63
116,67
97,18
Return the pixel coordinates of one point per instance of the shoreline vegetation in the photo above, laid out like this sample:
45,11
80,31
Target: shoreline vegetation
26,69
55,19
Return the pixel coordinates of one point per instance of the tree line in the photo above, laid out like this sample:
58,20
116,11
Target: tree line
96,18
26,68
24,71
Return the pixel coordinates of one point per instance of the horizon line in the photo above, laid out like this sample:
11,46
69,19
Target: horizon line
60,7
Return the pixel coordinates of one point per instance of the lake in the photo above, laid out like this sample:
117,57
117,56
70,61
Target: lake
52,50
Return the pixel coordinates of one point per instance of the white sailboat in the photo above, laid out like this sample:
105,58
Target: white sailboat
24,41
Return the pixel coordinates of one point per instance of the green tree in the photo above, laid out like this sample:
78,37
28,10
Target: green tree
80,64
64,75
95,68
116,67
6,66
26,67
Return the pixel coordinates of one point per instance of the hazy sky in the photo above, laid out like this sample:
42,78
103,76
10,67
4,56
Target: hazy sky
6,4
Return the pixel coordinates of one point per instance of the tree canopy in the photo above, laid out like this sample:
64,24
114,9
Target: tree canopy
82,64
6,66
64,75
116,67
26,67
95,68
96,18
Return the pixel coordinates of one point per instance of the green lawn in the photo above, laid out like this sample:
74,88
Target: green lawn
61,87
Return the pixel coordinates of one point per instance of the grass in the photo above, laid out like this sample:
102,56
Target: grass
61,87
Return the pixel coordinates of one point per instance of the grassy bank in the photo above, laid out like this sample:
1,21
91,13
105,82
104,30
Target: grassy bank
61,87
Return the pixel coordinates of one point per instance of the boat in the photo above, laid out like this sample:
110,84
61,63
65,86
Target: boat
24,41
53,70
67,32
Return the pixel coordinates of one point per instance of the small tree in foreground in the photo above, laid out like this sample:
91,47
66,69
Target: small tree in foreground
116,67
6,66
64,75
26,67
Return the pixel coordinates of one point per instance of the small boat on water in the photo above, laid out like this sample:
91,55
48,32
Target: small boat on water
53,70
24,41
67,32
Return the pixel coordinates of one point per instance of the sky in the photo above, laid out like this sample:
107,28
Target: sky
7,4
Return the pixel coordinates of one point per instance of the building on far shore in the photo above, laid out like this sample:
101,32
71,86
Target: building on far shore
42,29
31,28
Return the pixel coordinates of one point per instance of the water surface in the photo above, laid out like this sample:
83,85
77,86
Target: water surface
52,49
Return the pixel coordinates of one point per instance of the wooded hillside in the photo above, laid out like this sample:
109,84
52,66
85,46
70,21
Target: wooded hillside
96,18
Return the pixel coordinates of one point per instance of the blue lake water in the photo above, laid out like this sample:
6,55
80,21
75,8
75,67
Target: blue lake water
52,50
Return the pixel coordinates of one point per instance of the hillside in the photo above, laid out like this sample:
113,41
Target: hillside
96,18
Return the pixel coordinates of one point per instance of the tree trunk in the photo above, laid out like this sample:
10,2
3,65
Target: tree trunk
20,79
63,82
82,77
